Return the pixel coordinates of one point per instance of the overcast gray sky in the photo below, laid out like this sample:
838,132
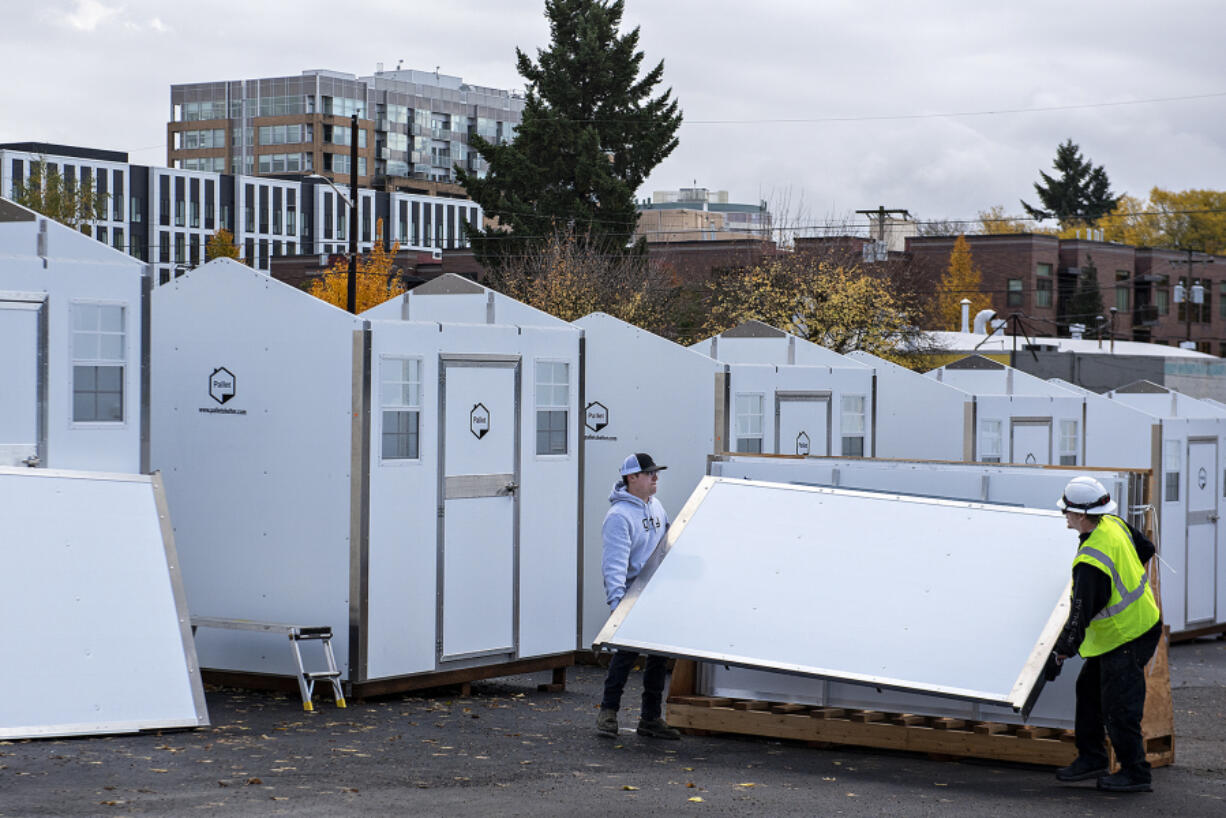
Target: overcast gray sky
827,106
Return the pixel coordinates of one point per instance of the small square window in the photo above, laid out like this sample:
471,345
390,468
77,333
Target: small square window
552,381
990,440
400,400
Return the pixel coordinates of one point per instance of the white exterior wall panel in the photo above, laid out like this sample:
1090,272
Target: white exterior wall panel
259,483
917,417
66,269
644,394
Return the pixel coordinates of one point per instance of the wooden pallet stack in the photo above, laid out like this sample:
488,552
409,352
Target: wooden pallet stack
935,736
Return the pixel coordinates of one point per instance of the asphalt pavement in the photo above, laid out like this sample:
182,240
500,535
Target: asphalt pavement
508,749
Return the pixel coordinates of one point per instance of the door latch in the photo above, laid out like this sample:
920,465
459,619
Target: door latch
33,461
512,487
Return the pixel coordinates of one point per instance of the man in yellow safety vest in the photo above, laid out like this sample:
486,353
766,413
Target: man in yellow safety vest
1115,624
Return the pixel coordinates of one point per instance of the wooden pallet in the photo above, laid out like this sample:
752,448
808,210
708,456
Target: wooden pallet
464,677
937,736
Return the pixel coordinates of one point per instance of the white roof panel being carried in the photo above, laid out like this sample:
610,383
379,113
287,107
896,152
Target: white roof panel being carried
904,592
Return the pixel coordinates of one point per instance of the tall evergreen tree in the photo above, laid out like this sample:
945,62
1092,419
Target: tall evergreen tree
591,133
1081,194
1085,304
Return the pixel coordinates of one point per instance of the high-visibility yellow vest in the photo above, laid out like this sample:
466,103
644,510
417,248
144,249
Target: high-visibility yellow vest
1131,611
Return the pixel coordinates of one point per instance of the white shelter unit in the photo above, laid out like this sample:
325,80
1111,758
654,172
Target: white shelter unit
643,393
791,396
1005,485
71,335
1189,451
772,612
97,635
918,418
404,482
1016,417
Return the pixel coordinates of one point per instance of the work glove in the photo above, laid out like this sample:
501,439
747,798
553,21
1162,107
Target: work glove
1053,667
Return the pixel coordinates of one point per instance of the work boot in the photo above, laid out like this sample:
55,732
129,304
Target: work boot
1123,782
1082,769
656,728
606,722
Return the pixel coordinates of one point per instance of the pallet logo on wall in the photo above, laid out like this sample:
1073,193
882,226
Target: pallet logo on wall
479,420
221,385
596,416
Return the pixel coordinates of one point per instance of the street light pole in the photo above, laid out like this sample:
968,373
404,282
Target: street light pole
351,300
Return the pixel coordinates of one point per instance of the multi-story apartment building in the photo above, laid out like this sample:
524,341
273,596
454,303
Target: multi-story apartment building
414,127
1036,276
165,216
698,214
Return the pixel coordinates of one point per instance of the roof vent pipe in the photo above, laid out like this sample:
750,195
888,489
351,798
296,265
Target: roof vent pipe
966,315
981,321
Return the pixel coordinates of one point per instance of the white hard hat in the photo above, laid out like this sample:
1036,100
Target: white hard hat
1086,495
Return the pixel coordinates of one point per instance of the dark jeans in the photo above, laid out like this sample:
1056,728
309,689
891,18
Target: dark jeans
653,683
1111,700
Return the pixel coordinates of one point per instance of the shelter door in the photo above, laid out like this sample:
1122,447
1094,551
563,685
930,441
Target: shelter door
21,382
802,424
1201,570
478,540
1030,442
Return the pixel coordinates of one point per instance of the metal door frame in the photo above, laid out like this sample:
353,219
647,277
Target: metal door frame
807,397
1015,422
41,366
1210,516
514,363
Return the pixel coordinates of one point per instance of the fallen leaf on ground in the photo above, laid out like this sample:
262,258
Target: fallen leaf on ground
628,787
697,799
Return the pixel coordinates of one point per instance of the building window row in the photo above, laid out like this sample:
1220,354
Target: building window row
343,135
208,138
339,163
285,162
198,111
283,105
209,164
285,134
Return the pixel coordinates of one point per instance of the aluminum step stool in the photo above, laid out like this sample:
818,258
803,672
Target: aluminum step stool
296,634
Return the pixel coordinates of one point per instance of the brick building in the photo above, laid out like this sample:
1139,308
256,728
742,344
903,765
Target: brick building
1036,275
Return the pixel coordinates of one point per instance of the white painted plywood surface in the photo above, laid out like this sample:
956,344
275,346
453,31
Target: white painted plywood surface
97,638
947,597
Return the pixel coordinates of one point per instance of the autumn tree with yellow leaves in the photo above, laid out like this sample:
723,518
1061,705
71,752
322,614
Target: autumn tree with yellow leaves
834,303
962,279
377,277
1183,219
220,245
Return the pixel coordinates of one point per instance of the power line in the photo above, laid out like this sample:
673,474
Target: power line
951,114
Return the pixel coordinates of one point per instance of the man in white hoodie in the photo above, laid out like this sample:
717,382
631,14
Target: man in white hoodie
633,527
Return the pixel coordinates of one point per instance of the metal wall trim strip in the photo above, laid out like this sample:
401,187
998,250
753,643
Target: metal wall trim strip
180,597
359,507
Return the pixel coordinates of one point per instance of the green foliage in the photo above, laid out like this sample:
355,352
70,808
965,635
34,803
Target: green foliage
1080,194
591,133
64,200
1085,305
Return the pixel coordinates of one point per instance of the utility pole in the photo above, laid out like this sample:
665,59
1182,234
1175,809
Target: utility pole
880,213
880,252
1188,295
351,299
